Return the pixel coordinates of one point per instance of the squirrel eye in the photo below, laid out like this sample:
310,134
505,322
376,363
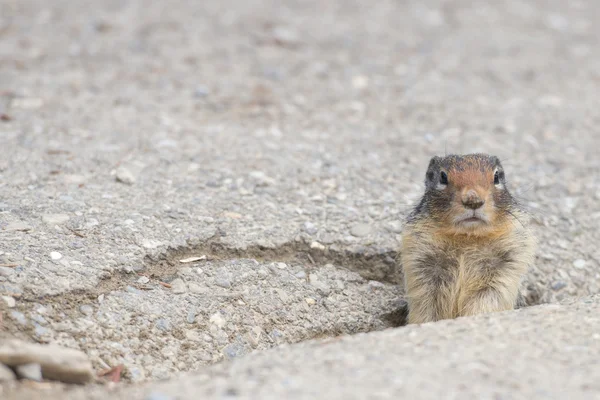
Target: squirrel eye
496,178
443,178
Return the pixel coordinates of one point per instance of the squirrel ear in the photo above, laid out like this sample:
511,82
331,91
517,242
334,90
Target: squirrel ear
432,163
434,160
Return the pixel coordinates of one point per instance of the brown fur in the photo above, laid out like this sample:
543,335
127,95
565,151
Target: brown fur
451,271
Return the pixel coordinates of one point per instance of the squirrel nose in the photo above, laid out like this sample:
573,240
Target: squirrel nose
472,200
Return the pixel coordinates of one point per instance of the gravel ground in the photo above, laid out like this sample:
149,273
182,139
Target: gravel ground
283,141
543,352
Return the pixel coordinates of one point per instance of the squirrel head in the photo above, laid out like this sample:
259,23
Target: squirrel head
466,194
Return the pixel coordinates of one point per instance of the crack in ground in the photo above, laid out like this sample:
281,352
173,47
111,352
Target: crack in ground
231,302
271,296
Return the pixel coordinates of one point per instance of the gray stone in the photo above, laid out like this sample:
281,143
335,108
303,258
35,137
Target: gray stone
234,350
310,228
360,230
19,317
7,271
394,226
201,91
300,275
38,318
191,317
41,332
57,363
163,324
178,286
197,289
223,282
31,371
557,285
131,289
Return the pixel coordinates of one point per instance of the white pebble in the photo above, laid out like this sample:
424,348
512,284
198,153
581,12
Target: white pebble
317,245
579,263
310,301
143,280
10,302
55,255
218,320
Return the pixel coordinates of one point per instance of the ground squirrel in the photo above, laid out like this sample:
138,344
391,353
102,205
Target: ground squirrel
466,245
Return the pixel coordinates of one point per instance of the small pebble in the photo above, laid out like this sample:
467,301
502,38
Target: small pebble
360,81
191,317
310,301
163,324
136,374
360,230
281,265
579,263
201,91
253,336
261,179
223,282
39,319
125,176
234,350
376,284
197,289
317,246
193,335
143,280
151,244
300,275
217,320
310,228
178,286
55,219
6,271
30,371
394,226
55,255
18,316
558,285
86,309
286,36
10,301
41,332
131,289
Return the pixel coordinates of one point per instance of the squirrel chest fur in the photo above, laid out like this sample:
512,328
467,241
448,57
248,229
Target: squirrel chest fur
466,247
